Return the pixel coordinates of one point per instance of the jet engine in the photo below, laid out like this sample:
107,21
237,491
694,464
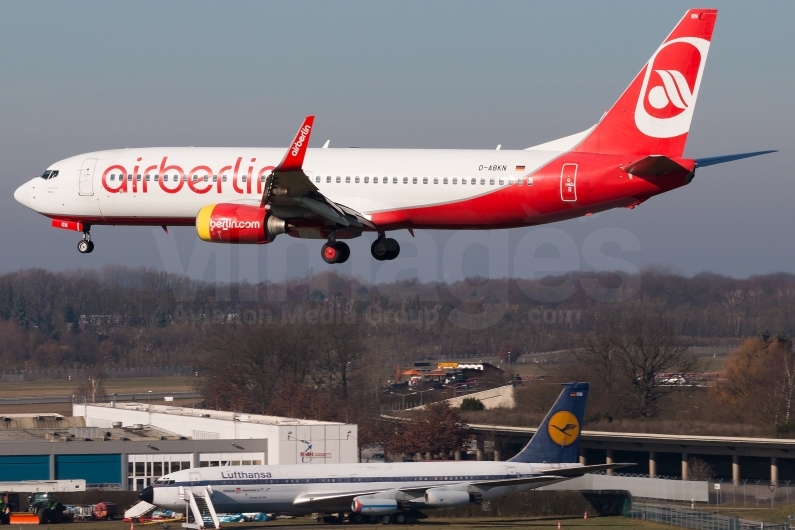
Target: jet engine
440,497
371,506
238,223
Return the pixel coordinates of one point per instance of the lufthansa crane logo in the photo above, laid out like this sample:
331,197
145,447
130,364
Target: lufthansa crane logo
563,428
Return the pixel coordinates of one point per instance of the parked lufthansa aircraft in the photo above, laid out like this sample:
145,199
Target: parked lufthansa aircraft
386,491
251,195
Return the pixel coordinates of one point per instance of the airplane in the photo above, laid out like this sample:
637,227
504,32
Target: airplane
385,492
252,195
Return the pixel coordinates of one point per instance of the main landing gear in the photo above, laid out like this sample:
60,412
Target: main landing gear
336,252
86,246
385,248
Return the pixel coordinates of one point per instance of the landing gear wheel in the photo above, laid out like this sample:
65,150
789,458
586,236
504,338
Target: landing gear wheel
357,518
85,246
337,253
385,248
393,248
378,249
400,518
386,519
372,519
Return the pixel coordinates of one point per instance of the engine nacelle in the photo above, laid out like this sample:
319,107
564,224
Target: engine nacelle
440,497
371,506
238,223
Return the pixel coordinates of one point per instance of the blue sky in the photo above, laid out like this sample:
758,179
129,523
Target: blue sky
84,76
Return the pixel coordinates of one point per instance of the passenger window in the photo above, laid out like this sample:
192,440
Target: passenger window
474,181
223,178
113,176
529,181
414,180
348,180
394,180
405,180
491,182
317,178
436,180
424,180
444,181
510,181
502,181
520,181
339,179
463,181
375,180
455,180
366,180
206,178
328,179
138,178
195,178
147,178
482,182
244,178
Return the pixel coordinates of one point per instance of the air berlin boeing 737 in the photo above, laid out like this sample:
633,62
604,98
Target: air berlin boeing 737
251,195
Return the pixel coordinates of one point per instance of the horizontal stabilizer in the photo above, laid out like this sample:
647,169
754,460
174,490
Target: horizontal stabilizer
711,161
577,471
653,165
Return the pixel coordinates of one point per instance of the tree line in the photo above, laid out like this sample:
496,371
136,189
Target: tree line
117,316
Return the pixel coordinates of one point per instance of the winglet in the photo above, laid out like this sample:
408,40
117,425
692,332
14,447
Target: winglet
294,158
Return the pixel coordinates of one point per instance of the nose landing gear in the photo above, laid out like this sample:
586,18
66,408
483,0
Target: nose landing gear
385,248
86,246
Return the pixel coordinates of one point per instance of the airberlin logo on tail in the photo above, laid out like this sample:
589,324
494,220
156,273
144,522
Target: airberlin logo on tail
670,87
301,139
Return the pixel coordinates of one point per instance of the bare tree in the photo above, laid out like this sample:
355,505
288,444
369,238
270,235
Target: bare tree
647,350
438,429
339,348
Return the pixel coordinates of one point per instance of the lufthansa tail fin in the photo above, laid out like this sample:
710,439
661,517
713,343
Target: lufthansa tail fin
652,116
557,440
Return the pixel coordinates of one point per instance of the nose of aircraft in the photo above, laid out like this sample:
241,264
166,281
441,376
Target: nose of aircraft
147,494
22,195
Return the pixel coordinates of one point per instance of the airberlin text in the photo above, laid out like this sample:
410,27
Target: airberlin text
173,178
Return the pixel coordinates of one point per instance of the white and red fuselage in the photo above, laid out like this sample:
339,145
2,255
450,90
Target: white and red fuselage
250,195
394,188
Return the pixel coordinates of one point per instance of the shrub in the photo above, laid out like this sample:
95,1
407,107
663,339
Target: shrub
472,404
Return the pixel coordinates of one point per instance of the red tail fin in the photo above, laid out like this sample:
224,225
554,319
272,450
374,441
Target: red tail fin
652,116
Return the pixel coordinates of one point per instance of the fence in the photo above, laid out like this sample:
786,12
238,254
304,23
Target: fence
696,519
82,374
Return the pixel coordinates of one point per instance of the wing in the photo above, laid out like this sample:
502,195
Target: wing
343,499
288,187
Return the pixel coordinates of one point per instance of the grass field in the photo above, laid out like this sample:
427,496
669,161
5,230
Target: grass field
64,387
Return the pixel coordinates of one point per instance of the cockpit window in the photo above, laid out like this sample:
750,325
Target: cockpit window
50,174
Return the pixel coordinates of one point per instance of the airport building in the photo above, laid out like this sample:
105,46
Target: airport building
129,445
